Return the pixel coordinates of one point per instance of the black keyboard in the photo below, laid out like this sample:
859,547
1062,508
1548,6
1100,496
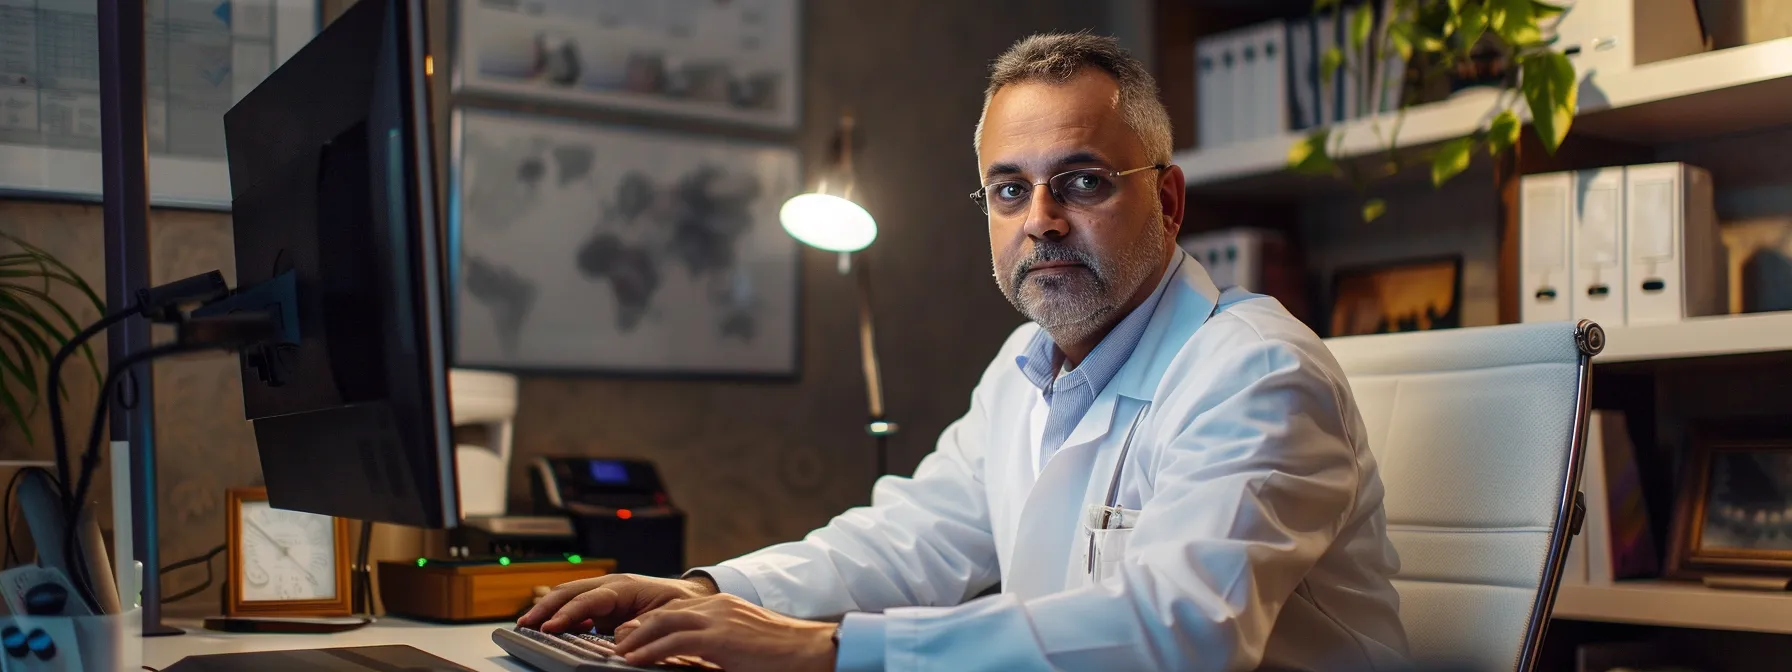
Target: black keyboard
578,653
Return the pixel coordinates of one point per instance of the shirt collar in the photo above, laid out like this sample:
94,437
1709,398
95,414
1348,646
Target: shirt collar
1041,356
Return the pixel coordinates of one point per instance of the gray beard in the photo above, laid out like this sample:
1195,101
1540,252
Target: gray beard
1075,306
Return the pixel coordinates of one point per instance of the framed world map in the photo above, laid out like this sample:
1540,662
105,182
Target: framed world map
586,247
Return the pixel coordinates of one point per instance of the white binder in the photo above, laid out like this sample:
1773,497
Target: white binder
1245,83
1303,89
1231,256
1678,266
1218,94
1209,101
1597,205
1325,27
1271,81
1546,285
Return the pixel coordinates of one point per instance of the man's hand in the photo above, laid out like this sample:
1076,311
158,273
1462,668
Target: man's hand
606,601
730,632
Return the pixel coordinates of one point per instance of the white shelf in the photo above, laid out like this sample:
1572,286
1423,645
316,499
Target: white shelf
1677,604
1702,95
1753,333
1699,337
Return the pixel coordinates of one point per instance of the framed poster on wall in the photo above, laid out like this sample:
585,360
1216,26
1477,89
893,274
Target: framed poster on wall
201,57
732,61
586,247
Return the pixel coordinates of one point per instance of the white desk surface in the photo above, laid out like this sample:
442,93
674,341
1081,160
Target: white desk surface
468,645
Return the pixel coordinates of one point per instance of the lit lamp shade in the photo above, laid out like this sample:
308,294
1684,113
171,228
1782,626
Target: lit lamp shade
828,222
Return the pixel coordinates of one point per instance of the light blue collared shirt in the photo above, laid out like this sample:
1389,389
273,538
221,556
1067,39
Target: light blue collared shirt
1068,396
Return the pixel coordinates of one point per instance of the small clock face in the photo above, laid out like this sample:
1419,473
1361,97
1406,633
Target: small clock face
286,555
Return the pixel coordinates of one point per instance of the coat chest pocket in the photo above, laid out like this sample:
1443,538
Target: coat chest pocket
1104,546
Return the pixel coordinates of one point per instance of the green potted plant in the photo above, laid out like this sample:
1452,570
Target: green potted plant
33,326
1499,43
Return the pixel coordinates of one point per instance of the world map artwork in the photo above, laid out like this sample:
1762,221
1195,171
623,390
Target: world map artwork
651,249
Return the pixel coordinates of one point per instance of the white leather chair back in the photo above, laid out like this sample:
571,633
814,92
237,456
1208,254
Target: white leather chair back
1478,435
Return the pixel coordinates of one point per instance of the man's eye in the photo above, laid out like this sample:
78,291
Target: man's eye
1085,182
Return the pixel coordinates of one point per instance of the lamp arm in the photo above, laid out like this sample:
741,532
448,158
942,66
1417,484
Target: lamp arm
874,383
879,426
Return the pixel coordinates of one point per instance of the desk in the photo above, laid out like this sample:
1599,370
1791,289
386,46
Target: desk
468,645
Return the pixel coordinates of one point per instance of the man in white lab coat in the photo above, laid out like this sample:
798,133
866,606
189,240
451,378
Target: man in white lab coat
1160,473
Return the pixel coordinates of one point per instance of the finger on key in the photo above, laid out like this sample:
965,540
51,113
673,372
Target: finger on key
550,603
591,605
656,625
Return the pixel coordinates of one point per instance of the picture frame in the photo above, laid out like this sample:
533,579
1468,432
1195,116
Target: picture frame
735,62
1419,294
213,56
236,602
583,247
1733,511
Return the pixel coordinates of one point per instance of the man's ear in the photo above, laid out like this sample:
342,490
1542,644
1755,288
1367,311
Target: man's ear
1172,192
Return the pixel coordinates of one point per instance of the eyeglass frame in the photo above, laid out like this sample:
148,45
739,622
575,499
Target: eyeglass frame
982,200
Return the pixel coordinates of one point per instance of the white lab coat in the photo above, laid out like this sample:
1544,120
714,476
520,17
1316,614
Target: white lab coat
1260,538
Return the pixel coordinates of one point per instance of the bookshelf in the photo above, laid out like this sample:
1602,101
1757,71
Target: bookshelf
1728,91
1677,604
1716,336
1728,110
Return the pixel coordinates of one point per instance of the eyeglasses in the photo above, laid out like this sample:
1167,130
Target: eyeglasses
1083,189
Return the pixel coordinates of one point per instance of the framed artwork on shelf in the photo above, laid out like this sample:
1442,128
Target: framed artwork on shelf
731,61
201,57
1734,510
1406,295
595,248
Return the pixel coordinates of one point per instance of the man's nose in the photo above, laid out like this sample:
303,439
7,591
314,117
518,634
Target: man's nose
1045,216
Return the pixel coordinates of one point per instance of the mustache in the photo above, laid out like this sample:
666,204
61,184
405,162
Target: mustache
1047,251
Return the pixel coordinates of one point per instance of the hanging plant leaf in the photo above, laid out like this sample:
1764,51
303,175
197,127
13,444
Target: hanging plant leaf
1502,134
1551,89
1451,160
1374,209
1308,155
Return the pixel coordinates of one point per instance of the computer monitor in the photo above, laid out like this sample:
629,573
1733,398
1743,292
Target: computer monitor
332,184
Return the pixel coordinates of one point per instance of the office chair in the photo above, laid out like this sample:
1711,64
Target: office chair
1478,434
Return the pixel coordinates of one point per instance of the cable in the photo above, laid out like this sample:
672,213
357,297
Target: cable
90,460
12,555
55,378
205,559
363,573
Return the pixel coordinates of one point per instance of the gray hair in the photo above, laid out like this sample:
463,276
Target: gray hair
1055,58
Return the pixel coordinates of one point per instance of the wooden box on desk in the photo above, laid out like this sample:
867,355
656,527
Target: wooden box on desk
452,592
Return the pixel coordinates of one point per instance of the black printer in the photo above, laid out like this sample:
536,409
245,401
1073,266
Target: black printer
618,509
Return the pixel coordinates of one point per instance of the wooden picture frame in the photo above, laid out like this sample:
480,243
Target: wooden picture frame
235,605
1743,468
1403,295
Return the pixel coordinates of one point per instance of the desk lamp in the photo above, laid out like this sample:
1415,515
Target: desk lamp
829,219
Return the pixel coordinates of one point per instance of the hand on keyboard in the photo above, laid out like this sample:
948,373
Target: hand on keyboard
580,653
731,632
604,602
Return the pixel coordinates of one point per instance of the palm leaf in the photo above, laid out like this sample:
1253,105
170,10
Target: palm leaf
68,275
12,406
19,360
25,327
73,326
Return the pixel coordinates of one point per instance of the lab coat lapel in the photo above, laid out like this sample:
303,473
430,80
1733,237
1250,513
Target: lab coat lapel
1049,520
